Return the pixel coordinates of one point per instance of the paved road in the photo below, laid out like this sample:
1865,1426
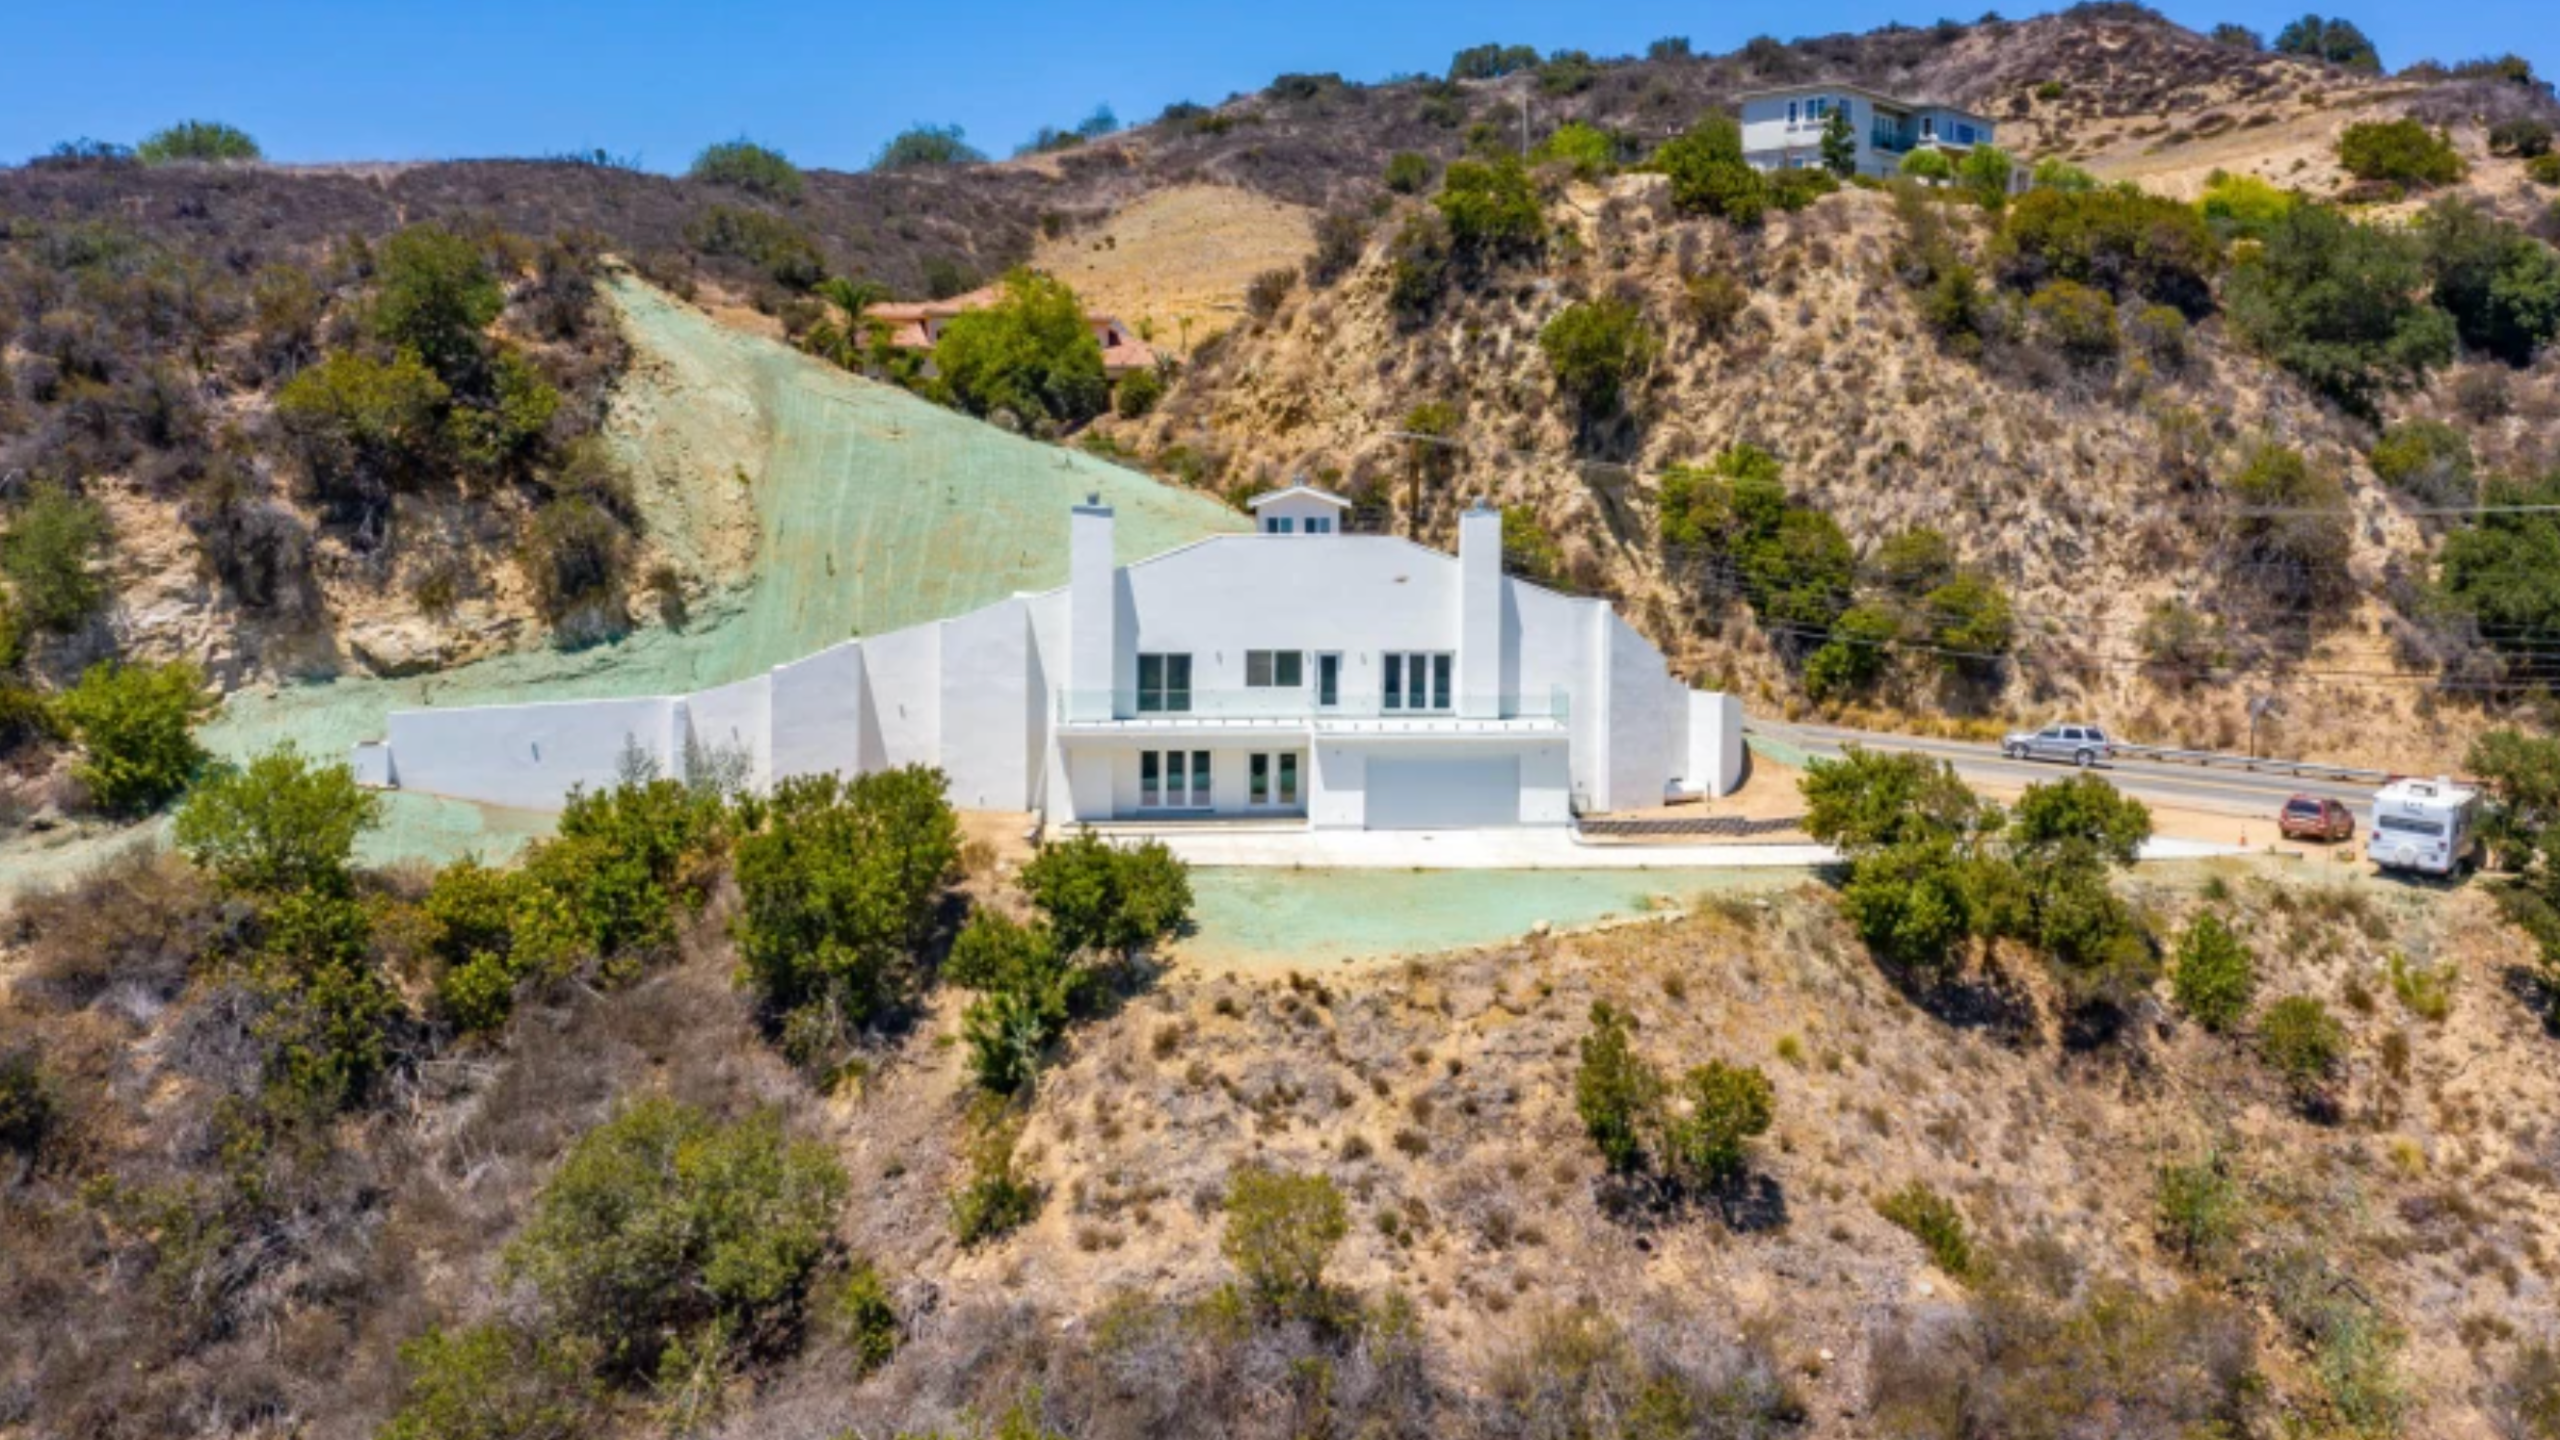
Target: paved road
2234,792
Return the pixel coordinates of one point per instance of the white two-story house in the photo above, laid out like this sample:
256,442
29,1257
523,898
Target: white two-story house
1298,674
1782,129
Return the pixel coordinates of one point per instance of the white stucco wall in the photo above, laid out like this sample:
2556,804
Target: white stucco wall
1714,765
902,698
819,715
528,756
736,718
984,712
1299,508
1648,719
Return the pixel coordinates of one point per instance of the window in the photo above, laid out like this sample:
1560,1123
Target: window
1278,524
1328,681
1275,669
1271,779
1173,780
1164,684
1928,127
1319,524
1417,681
1791,112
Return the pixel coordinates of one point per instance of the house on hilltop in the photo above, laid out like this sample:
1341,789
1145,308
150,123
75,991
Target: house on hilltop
917,324
1782,128
1295,674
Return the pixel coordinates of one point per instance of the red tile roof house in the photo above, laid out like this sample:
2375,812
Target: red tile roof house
916,324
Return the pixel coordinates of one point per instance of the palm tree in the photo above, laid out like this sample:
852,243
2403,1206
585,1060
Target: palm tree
842,340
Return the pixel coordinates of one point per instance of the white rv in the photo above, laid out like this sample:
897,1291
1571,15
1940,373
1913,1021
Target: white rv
2430,826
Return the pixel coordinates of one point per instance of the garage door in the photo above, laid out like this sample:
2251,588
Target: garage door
1443,794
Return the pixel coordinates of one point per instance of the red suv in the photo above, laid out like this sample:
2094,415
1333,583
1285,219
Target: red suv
2309,817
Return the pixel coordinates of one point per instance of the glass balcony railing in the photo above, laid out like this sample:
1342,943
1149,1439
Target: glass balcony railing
1285,705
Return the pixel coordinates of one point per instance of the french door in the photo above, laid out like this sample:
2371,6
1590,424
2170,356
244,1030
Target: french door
1173,780
1271,780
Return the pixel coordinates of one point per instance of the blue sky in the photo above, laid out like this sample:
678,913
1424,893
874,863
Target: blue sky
375,79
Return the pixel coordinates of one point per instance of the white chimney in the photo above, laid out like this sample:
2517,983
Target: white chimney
1480,612
1092,613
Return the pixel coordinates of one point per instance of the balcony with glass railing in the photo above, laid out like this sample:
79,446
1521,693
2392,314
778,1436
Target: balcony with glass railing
1275,707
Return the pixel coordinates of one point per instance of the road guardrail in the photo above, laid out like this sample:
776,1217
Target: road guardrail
2215,759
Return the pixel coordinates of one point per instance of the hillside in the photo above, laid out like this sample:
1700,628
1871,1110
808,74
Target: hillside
2380,1261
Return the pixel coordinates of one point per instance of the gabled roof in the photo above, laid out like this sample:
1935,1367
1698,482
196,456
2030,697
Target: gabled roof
1296,491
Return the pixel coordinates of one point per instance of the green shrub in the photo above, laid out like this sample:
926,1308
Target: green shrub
282,824
924,145
2078,321
2304,1044
665,1227
1614,1091
2339,305
1708,174
787,254
2543,169
1030,987
1136,394
1282,1229
136,728
860,1311
434,295
2056,173
838,888
1971,623
996,1199
1491,210
471,912
1597,348
2244,205
2426,991
609,883
1733,522
2504,568
1714,300
501,435
1528,550
2017,1359
2500,285
1794,189
203,141
2400,151
2199,1211
576,557
2294,529
2427,460
1587,150
2216,976
489,1382
2523,137
1490,61
2338,42
1934,1221
1930,165
1409,173
364,427
326,1025
742,164
1567,72
1030,354
1718,1110
1868,801
1855,656
1106,899
50,553
2063,837
1417,266
2124,243
1986,171
2238,37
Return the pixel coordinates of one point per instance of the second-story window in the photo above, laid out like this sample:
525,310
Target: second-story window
1164,684
1275,669
1415,681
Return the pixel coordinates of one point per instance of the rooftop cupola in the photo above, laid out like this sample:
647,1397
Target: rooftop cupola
1299,509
